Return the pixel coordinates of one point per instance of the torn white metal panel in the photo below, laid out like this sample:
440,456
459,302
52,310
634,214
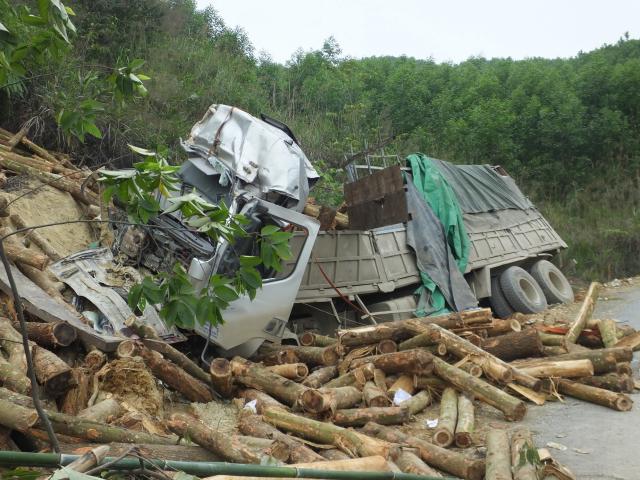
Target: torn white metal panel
240,145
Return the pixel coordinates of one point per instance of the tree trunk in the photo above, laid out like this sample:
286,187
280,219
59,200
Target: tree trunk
512,408
232,448
600,396
221,378
19,254
55,334
269,356
502,327
608,332
551,339
521,446
174,376
465,423
252,425
374,463
492,369
293,371
561,368
422,340
320,376
356,377
409,462
177,357
409,361
631,341
14,378
472,369
309,339
262,399
498,458
443,436
37,238
379,379
522,344
614,382
102,411
77,397
318,401
349,441
448,461
624,368
386,346
417,403
17,417
374,397
584,313
325,356
94,360
604,360
333,454
358,417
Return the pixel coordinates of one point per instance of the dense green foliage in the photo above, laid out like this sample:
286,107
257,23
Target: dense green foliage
567,129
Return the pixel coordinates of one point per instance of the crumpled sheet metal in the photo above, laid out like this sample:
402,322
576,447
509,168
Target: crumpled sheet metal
240,145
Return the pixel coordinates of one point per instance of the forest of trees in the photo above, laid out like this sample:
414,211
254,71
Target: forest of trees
567,129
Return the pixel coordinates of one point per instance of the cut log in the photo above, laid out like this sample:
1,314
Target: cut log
492,369
180,359
310,339
472,369
614,382
174,376
386,346
293,371
374,463
333,454
19,254
502,327
443,436
95,359
551,339
631,341
102,411
603,360
262,399
349,441
498,461
89,459
358,417
14,378
233,448
55,334
379,379
599,396
522,344
465,422
430,383
414,361
356,377
252,425
36,237
374,397
624,368
275,355
554,350
417,402
317,401
586,309
608,332
404,382
512,408
448,461
341,220
221,378
17,417
561,368
522,465
320,376
325,356
409,462
418,341
77,397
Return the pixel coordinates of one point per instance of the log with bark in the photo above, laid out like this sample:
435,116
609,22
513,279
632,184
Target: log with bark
233,448
502,327
356,377
374,397
77,397
37,238
624,368
417,402
14,378
253,426
320,376
522,464
561,368
614,382
180,359
351,442
262,399
16,252
472,369
551,339
599,396
373,463
448,461
325,356
586,309
631,341
358,417
521,344
608,332
274,355
95,359
333,454
444,433
409,462
221,377
341,220
293,371
17,417
52,335
512,408
418,341
102,411
603,360
414,361
465,422
498,460
310,339
324,399
174,376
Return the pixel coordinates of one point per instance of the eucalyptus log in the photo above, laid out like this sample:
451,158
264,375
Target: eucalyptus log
432,383
551,339
521,344
417,402
586,309
603,360
333,454
409,462
404,382
94,360
221,378
522,464
358,417
252,425
37,238
614,382
176,356
422,340
444,434
293,371
465,422
512,408
502,327
349,441
374,397
17,417
472,369
54,334
379,379
608,332
415,361
14,378
498,461
262,399
174,376
233,448
324,399
624,368
448,461
600,396
554,350
16,252
631,341
310,339
269,355
77,397
102,411
386,346
325,356
373,463
561,368
320,376
356,377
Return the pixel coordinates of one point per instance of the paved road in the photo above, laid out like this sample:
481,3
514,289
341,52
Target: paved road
601,443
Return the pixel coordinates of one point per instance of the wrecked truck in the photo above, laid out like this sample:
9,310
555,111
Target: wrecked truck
422,239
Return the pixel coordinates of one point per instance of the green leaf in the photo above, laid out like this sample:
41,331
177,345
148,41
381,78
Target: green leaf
247,261
269,230
92,129
141,151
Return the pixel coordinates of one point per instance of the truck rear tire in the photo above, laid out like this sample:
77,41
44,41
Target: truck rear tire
499,304
522,291
552,281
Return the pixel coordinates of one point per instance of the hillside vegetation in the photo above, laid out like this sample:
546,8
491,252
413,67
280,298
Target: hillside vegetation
567,129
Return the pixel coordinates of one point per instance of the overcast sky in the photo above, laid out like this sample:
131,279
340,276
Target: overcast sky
444,30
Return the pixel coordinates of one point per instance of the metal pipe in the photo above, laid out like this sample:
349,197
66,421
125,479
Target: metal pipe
53,460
